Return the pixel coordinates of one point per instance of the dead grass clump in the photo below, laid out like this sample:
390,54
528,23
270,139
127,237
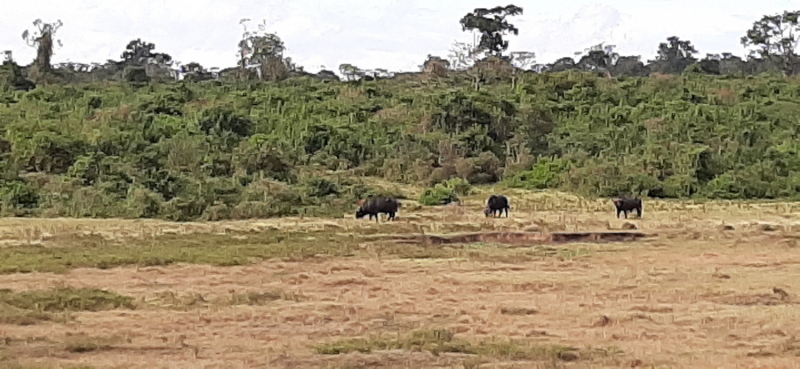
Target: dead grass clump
255,298
791,346
351,94
765,227
602,321
171,300
762,299
720,275
86,346
653,309
726,95
440,341
518,311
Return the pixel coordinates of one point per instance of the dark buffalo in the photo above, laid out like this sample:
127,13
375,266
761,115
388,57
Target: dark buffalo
376,205
626,204
496,204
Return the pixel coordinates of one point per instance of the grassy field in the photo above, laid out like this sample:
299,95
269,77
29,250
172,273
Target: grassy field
714,286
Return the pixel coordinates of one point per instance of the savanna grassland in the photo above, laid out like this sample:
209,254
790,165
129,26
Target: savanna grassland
714,285
210,224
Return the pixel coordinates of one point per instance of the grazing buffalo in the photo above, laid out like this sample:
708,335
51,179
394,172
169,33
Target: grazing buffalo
496,204
376,205
626,204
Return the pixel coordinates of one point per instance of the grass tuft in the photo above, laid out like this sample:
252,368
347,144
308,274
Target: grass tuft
440,341
32,307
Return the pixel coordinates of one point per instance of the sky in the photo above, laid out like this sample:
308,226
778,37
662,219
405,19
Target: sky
396,35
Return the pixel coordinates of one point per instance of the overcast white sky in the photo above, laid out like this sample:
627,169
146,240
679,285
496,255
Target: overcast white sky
391,34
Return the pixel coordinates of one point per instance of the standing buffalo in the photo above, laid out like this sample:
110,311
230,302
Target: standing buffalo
626,204
496,204
376,205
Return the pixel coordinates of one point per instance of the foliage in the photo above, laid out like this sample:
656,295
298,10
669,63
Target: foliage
674,56
545,174
777,38
139,52
304,145
445,193
492,25
43,39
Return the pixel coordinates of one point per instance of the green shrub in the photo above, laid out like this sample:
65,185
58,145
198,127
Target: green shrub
438,195
545,174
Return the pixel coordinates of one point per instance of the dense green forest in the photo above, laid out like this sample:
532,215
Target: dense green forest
190,150
126,140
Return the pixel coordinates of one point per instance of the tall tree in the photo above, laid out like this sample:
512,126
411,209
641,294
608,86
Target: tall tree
598,58
777,37
673,56
139,52
492,25
263,52
43,39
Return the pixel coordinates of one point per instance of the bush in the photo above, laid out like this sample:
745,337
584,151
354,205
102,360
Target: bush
443,194
545,174
18,195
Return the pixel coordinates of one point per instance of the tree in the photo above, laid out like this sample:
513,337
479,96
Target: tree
599,58
777,37
196,72
630,66
561,65
139,52
43,39
435,65
351,72
263,52
674,56
492,25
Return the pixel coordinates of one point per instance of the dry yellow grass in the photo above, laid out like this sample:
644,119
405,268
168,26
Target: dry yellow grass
717,288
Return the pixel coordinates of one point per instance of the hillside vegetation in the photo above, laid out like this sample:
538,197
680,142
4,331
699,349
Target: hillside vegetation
214,150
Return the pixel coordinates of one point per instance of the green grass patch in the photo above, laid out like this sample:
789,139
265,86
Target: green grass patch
218,250
62,299
171,300
440,341
31,307
241,248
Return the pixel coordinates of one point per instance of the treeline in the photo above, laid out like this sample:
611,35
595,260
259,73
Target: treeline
212,150
772,40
